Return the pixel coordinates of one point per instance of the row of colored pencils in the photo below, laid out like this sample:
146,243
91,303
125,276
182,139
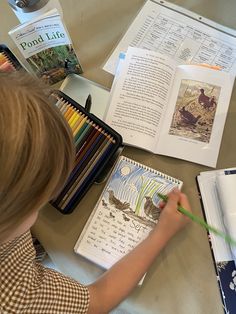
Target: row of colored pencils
93,145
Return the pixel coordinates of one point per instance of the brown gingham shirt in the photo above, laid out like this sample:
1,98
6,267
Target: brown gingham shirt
28,287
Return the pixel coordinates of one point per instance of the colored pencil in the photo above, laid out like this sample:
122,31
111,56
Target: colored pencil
201,222
93,145
80,138
6,63
94,152
81,123
74,116
85,149
87,177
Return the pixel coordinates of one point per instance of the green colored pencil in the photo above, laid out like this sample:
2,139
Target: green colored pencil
201,222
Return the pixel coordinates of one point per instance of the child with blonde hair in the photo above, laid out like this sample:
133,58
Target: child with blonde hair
36,157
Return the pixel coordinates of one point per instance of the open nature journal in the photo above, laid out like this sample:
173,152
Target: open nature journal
125,213
169,109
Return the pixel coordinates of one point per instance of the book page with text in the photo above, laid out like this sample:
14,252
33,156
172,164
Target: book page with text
196,114
139,97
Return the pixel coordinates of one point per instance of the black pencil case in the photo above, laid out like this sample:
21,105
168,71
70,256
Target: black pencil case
9,58
95,157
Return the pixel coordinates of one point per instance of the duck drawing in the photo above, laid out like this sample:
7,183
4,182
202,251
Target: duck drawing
116,202
150,209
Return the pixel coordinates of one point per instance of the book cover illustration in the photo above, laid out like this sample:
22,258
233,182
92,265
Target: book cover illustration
46,45
195,110
226,276
54,64
125,214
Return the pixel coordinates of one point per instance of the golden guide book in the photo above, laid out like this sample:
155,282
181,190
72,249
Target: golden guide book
46,45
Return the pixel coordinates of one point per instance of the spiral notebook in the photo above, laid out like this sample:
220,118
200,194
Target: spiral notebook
125,213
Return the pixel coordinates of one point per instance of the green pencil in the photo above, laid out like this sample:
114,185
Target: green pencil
201,221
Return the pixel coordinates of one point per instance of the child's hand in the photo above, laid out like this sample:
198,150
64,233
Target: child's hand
171,220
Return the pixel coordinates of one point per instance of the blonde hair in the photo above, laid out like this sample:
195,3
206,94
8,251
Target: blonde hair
36,149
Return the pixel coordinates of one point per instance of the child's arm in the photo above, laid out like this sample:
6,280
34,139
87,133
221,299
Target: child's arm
118,281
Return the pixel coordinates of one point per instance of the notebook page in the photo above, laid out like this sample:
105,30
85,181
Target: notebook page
110,236
125,214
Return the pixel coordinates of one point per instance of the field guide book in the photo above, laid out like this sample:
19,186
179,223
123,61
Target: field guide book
46,45
169,109
125,213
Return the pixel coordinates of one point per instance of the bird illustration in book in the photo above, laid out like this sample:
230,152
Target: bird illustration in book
116,202
195,110
188,117
206,101
150,209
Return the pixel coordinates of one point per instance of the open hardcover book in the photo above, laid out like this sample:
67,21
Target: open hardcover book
169,109
125,213
217,190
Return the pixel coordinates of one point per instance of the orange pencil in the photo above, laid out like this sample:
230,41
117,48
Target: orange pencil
69,113
65,111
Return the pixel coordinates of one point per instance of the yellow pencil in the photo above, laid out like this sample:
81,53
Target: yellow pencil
73,116
83,120
75,120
